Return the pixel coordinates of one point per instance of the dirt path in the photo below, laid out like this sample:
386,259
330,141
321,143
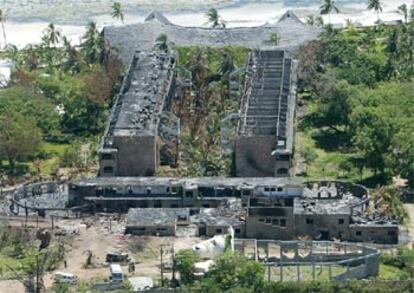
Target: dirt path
96,239
11,286
410,209
99,240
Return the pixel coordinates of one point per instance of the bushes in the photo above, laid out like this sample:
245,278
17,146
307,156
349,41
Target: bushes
184,262
388,199
404,259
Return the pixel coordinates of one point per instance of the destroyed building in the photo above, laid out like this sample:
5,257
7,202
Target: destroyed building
131,145
282,208
114,194
264,134
264,141
291,31
269,208
158,222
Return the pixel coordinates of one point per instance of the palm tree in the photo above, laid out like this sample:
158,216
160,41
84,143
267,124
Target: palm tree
226,63
73,60
411,13
319,21
3,19
375,5
214,18
51,35
403,9
392,49
161,43
274,39
93,44
327,7
310,19
117,11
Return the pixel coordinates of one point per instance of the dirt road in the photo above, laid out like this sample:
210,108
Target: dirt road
409,207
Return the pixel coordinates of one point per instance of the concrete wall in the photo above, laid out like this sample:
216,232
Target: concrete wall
264,225
253,156
374,233
166,230
336,225
137,155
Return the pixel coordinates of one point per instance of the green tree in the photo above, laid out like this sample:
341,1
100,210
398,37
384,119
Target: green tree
233,269
392,49
375,5
3,19
310,19
226,63
117,11
411,12
161,43
30,104
327,7
310,156
73,59
93,44
213,18
19,137
403,10
402,155
184,262
51,35
274,39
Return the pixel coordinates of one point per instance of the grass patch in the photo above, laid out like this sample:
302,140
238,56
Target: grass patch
47,160
388,272
52,152
213,55
333,158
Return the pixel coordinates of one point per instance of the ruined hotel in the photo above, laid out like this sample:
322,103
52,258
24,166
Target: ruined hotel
261,200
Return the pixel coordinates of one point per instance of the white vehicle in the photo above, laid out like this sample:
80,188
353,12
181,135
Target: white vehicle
116,273
65,278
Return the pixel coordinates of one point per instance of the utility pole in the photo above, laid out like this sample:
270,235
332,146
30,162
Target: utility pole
162,266
37,274
173,266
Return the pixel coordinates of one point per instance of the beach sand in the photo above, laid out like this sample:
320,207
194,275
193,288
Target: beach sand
251,14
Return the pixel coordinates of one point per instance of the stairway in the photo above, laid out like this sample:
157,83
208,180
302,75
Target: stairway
268,100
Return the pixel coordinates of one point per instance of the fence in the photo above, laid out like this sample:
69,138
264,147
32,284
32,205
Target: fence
311,260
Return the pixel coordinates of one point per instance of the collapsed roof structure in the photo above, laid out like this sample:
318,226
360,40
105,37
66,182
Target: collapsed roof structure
131,143
142,36
258,208
263,145
272,208
264,141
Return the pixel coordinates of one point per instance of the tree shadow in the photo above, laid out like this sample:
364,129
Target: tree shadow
375,181
331,140
311,120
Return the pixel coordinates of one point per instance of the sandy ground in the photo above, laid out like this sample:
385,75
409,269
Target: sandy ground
99,239
251,14
410,209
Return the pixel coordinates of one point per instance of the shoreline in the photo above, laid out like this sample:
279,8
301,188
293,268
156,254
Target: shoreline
239,14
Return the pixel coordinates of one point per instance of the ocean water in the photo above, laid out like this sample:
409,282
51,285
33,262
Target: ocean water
27,19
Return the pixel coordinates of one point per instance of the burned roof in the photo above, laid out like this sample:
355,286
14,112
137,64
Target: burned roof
142,36
155,216
240,182
269,101
142,95
228,214
315,206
